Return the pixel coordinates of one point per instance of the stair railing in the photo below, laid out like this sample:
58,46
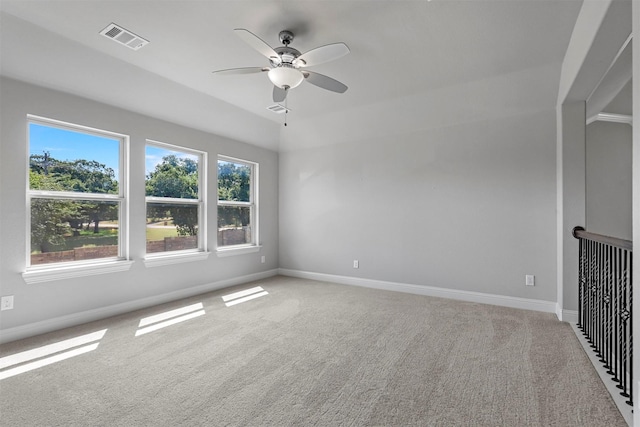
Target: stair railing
605,298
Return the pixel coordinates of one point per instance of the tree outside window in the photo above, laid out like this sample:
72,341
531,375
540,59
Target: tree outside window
75,194
236,202
173,195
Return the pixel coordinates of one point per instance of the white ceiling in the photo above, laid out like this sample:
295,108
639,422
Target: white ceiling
412,63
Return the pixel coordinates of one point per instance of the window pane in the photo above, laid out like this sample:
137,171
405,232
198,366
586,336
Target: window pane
171,227
73,230
66,160
234,225
234,181
171,173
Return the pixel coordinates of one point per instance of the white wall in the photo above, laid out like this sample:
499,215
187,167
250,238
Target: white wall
469,206
54,303
571,193
608,174
601,29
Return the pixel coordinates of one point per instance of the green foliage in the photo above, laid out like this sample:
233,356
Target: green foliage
83,176
51,220
84,239
48,226
234,184
233,216
186,220
47,216
175,177
40,181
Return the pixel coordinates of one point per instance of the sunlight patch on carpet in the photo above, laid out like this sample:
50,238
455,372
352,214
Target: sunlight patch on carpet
168,318
46,355
244,296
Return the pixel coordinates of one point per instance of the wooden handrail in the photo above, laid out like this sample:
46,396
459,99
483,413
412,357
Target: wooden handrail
581,233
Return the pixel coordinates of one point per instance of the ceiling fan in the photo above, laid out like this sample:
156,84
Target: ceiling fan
288,66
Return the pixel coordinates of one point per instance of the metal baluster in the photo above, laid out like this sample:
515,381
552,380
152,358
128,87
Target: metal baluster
606,299
630,336
605,303
619,308
614,310
581,250
600,301
592,293
624,317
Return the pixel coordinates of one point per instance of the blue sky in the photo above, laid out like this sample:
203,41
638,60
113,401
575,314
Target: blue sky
64,144
154,154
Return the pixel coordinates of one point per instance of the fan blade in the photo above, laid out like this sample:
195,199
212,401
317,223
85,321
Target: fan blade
258,44
324,82
245,70
321,54
279,94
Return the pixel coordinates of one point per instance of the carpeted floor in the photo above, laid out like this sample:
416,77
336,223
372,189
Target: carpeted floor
317,354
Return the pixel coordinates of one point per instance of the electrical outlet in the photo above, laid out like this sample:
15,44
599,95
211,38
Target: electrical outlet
530,280
356,264
6,303
263,259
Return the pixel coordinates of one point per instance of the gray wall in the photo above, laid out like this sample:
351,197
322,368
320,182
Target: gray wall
609,202
51,300
470,206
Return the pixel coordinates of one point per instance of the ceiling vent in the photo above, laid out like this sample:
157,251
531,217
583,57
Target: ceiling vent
277,108
124,37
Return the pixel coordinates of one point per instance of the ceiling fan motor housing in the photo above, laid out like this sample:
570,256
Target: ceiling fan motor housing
287,54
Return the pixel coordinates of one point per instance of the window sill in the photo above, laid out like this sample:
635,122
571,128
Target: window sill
237,250
177,258
51,273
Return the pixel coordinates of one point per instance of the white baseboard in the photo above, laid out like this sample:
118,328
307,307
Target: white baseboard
37,328
624,409
501,300
569,316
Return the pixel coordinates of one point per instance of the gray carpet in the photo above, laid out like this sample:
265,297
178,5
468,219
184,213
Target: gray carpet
317,354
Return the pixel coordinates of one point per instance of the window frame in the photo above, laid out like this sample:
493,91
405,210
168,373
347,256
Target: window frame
253,205
69,269
153,259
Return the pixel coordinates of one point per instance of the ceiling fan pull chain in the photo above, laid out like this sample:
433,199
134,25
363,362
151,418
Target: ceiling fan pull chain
286,107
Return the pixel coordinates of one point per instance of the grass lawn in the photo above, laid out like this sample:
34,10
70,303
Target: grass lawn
106,236
160,233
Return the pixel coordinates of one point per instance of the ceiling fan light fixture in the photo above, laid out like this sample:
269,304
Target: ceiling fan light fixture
285,77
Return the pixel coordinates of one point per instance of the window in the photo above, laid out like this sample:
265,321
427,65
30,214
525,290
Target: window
76,194
175,201
237,203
